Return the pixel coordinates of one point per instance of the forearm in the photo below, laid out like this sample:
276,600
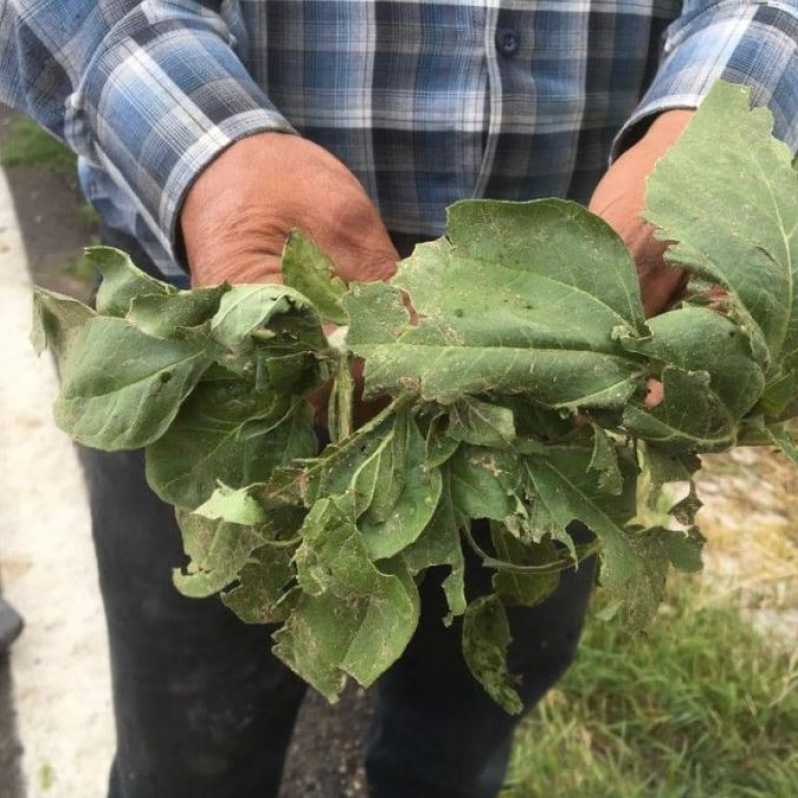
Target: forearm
152,92
752,42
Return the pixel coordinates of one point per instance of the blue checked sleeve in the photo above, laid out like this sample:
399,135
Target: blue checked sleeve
150,92
752,42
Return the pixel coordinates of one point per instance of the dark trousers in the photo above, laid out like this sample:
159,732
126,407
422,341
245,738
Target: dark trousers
203,710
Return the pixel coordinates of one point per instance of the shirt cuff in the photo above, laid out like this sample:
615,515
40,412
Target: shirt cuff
160,100
752,43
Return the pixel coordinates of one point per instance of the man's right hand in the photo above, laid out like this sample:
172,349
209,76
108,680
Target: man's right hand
239,212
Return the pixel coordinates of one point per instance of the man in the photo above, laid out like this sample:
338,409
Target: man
207,131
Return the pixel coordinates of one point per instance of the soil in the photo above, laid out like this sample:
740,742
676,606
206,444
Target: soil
325,759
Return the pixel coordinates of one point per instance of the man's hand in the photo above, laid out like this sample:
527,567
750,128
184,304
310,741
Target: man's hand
241,209
620,197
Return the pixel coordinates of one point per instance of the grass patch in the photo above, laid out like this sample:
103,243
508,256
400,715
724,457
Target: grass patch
701,707
27,144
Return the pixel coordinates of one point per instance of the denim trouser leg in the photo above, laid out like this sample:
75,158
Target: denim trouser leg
202,709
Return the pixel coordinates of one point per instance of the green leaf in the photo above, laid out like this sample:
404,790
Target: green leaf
268,315
486,639
218,551
354,620
570,492
308,270
235,505
549,331
737,218
169,315
485,482
439,544
227,432
710,376
690,417
604,461
391,524
481,423
122,281
516,588
122,389
554,239
259,596
57,320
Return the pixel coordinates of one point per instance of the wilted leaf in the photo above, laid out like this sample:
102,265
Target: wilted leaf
218,551
481,423
710,380
485,482
308,270
57,320
259,595
399,517
486,639
565,486
122,389
351,618
604,461
439,544
550,328
169,315
736,223
521,588
227,432
268,315
122,281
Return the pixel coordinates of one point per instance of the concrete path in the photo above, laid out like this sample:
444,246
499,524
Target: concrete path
59,667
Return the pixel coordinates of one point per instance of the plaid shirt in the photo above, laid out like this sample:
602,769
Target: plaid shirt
426,102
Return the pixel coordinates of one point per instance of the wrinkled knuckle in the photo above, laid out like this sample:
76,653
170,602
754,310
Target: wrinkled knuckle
352,214
247,232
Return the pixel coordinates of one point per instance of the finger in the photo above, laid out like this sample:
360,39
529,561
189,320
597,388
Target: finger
364,253
655,393
253,265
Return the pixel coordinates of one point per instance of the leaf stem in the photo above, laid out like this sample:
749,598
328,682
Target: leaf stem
549,568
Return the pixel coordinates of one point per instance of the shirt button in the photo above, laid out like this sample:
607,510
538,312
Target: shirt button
507,41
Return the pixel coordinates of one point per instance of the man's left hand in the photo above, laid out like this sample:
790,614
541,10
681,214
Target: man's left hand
620,198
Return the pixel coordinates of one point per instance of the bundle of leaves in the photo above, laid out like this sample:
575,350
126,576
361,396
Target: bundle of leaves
514,356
